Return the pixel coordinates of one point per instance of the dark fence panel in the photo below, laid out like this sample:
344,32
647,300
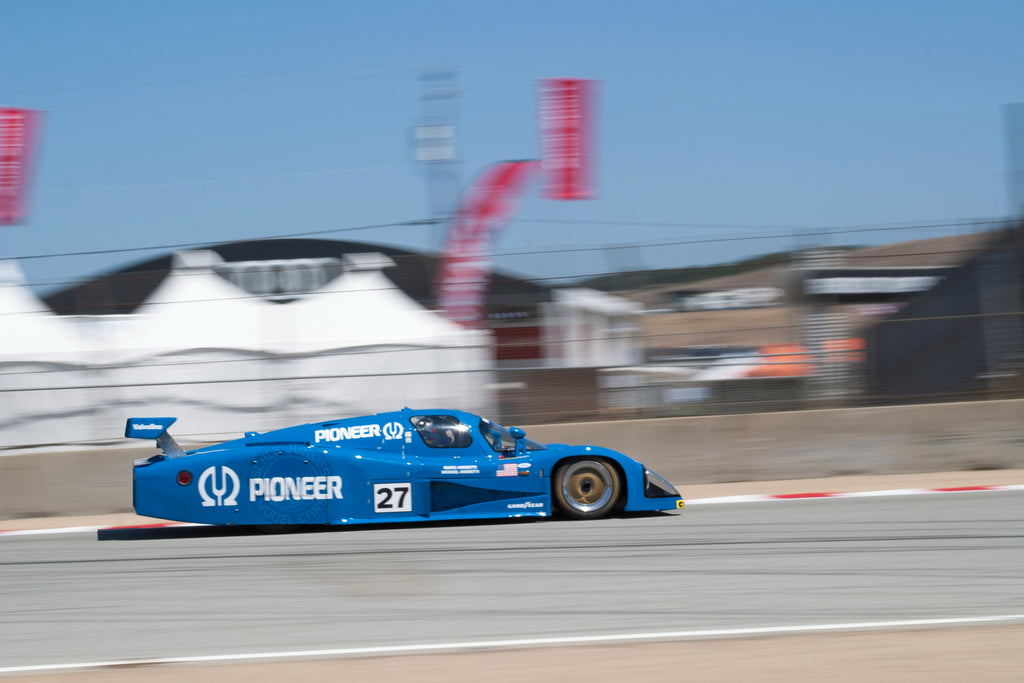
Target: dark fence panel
944,342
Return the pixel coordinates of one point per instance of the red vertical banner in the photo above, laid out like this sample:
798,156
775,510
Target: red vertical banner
567,132
464,274
17,138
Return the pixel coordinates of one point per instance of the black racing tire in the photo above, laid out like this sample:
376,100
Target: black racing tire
587,488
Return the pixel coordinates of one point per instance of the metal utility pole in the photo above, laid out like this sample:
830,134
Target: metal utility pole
435,148
1014,118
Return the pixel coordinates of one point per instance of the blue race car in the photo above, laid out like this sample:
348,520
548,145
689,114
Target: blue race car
404,466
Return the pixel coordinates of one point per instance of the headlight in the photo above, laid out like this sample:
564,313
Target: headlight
656,486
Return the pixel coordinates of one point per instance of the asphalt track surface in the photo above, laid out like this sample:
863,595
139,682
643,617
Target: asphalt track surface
142,594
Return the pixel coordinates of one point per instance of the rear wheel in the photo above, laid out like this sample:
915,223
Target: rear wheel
587,489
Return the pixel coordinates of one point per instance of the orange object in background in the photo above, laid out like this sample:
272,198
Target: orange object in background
795,360
843,350
784,360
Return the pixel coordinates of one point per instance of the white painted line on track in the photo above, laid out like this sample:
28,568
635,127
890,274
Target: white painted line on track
39,532
761,498
520,643
719,500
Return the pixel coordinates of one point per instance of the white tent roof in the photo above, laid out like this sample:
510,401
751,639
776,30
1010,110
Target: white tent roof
196,308
29,327
364,307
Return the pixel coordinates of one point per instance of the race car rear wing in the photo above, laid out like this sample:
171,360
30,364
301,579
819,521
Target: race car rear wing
154,428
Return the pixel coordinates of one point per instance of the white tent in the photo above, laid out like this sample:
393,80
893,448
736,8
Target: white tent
29,328
39,350
224,360
196,308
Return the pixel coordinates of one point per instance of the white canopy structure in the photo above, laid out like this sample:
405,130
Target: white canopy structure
224,360
30,329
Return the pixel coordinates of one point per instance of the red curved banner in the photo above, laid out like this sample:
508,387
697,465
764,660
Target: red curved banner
464,274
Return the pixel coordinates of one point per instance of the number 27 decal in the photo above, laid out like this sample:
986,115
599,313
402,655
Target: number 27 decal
392,498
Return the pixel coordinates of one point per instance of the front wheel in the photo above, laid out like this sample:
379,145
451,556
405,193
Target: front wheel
587,489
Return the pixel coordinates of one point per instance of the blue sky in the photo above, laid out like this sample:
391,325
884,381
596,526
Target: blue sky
208,121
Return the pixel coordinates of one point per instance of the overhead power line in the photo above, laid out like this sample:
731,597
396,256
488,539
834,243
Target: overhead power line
219,181
783,233
193,245
227,91
200,79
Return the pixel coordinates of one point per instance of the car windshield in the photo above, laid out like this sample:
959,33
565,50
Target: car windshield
500,439
442,431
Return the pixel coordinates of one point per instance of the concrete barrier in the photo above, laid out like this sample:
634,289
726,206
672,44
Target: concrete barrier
690,450
814,443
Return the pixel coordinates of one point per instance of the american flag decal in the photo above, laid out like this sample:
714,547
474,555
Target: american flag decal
509,469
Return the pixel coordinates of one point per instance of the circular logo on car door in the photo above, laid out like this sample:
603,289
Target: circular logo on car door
292,488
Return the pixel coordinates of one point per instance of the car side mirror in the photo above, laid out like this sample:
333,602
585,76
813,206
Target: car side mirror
520,436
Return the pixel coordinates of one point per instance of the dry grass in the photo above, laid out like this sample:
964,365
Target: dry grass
781,324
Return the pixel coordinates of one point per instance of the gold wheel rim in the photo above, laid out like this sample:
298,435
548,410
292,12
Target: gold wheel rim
587,486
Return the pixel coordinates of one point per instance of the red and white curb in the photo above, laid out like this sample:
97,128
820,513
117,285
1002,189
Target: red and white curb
80,529
719,500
